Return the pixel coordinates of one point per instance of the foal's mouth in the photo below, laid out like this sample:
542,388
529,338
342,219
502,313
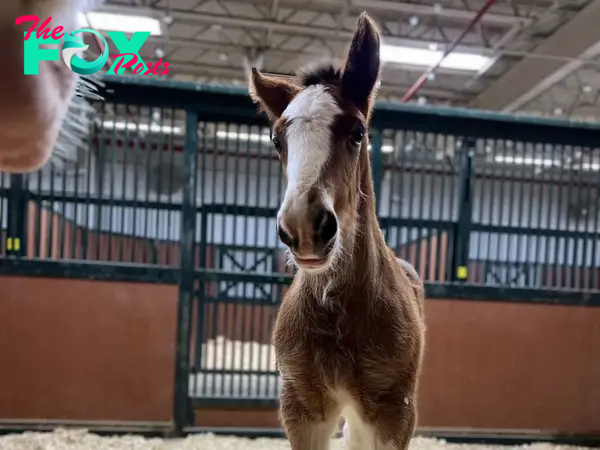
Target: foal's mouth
315,261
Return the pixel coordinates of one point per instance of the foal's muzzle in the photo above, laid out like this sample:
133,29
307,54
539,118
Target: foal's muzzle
310,238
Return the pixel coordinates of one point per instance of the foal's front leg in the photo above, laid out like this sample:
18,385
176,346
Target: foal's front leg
308,417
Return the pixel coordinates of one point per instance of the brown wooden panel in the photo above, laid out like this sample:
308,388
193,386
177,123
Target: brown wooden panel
495,365
86,350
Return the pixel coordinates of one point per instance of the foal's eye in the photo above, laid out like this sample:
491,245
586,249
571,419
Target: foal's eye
357,135
277,144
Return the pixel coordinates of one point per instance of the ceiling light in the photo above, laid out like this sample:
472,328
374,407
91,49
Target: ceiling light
465,61
253,137
384,148
82,20
594,167
413,21
545,162
424,57
123,22
130,126
527,161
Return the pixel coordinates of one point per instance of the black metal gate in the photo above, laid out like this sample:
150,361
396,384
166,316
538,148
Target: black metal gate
181,186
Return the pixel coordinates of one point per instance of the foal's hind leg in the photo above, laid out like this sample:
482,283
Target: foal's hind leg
394,425
309,418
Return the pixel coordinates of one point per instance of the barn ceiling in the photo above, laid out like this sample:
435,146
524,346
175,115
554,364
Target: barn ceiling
542,55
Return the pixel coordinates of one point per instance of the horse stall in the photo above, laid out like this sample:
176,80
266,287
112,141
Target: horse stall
140,281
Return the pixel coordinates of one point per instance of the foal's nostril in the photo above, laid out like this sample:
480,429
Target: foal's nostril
283,236
326,226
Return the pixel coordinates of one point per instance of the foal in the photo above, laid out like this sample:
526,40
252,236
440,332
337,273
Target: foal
349,335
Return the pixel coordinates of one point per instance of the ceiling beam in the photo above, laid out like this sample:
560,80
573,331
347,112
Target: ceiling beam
579,38
229,49
403,8
330,33
387,6
445,12
231,73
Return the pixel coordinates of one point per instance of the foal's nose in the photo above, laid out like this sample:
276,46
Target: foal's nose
308,234
284,236
325,226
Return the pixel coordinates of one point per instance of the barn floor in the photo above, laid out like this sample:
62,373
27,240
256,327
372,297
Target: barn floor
62,439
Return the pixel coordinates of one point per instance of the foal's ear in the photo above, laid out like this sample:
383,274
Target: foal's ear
271,93
361,71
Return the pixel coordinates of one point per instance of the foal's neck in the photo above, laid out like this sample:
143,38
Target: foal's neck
369,249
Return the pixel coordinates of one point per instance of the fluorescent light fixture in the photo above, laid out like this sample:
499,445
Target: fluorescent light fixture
544,162
123,22
384,148
424,57
594,167
253,137
154,128
527,161
82,19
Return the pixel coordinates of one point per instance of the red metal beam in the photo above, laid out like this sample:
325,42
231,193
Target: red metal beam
424,77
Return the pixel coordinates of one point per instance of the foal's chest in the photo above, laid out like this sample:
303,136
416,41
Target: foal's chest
330,339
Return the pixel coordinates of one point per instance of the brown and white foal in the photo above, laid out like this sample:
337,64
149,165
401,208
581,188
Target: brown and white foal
349,335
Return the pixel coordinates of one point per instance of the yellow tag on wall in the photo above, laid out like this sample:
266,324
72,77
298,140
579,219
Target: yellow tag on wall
13,244
462,272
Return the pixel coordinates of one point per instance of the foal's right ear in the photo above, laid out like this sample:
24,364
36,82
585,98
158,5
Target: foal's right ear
271,93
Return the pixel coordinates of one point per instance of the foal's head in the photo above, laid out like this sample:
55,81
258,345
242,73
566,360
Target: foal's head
320,131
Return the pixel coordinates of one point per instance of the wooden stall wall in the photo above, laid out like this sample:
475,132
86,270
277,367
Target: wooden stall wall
488,365
91,350
86,350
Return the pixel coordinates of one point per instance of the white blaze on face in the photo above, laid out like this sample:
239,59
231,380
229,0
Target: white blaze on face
310,116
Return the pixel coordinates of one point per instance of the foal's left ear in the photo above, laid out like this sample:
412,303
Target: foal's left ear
361,71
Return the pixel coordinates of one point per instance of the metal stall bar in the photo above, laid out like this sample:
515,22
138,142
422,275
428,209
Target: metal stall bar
182,411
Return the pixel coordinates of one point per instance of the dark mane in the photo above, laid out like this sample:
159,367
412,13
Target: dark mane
319,74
